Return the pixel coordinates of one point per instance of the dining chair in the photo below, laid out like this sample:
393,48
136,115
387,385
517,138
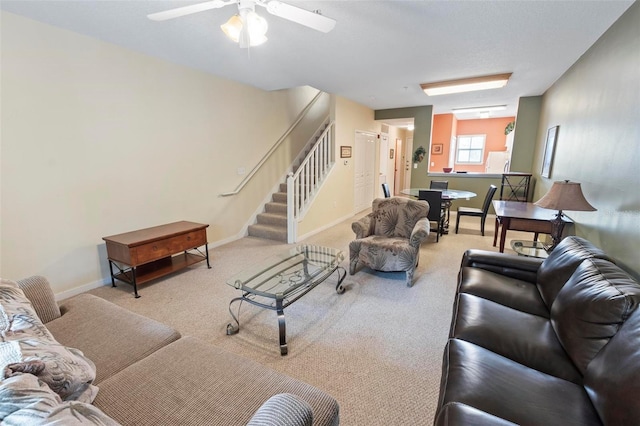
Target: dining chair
385,190
442,185
481,213
439,184
435,215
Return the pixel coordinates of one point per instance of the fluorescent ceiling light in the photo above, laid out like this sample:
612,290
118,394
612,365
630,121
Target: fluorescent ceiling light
466,84
480,109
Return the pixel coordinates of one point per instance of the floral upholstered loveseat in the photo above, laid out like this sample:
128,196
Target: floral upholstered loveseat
389,238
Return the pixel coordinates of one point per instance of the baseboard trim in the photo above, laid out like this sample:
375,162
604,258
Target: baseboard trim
83,288
325,227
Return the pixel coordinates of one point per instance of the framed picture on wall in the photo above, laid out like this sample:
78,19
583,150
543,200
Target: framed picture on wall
345,151
549,148
436,149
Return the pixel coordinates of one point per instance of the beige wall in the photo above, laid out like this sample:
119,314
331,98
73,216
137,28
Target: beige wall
597,106
99,140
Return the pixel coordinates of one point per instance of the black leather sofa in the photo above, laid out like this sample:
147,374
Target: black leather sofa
532,342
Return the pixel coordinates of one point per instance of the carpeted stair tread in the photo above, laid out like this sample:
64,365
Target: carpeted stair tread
270,232
278,219
273,207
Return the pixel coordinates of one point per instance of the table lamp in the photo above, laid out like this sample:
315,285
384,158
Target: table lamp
563,195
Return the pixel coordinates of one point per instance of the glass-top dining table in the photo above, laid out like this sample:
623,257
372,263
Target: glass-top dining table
448,195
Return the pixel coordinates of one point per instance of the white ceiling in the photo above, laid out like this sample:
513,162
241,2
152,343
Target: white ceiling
378,53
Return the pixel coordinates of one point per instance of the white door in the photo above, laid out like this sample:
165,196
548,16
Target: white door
398,182
364,160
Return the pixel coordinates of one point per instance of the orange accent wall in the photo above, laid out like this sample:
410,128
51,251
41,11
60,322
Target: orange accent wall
496,139
442,131
446,126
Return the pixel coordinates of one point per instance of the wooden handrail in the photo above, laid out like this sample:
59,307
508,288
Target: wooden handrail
274,147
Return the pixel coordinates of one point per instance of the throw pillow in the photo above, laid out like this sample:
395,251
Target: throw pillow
28,401
27,346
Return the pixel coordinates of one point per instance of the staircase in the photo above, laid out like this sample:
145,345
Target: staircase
272,224
279,219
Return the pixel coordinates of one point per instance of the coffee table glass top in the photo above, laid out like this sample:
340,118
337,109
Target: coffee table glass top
282,275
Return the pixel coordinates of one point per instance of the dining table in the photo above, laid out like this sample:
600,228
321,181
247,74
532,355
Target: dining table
448,196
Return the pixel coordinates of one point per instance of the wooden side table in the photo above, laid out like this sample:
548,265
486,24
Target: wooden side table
146,254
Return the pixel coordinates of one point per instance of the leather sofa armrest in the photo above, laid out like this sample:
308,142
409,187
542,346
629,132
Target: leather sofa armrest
362,227
420,232
519,267
40,294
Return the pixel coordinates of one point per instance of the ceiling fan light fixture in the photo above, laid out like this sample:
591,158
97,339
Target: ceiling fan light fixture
466,84
256,27
232,28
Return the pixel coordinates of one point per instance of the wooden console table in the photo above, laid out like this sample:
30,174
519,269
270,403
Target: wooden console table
154,252
520,216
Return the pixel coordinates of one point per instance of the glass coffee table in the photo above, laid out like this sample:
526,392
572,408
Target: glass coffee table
530,248
283,279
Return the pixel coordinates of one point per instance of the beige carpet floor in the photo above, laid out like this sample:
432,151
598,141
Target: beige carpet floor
377,348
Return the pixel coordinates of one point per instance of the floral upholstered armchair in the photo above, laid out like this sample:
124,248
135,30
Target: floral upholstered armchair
388,238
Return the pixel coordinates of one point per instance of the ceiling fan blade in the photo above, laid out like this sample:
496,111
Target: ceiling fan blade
188,10
300,16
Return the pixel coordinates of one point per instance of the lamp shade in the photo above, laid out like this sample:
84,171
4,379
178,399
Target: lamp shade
565,195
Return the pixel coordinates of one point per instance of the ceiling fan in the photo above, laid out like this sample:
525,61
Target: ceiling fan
248,28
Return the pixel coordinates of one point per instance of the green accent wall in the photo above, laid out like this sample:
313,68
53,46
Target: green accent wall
596,103
422,117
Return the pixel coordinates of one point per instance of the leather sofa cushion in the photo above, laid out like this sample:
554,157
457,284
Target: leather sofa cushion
515,293
477,377
613,377
556,269
519,336
591,308
460,414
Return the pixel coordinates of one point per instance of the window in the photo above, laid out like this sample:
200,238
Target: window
470,149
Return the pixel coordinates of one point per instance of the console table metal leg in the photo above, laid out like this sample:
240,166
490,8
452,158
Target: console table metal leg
135,283
113,280
339,287
282,328
206,248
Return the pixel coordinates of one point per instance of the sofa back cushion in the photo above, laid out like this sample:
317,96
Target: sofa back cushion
27,346
591,308
612,379
396,217
561,263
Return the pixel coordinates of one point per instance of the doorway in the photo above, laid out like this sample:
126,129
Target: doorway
364,158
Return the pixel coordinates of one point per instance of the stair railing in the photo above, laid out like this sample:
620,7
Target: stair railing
303,185
275,146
